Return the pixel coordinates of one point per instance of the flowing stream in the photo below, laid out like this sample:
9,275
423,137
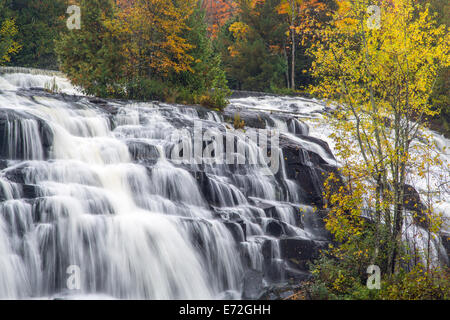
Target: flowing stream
93,203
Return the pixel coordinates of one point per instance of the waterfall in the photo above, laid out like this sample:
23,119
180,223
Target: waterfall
91,187
94,190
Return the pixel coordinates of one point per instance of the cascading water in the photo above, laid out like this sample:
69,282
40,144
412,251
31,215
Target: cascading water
433,189
92,186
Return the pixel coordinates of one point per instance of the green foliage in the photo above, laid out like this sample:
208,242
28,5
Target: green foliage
418,284
283,91
8,46
51,86
103,60
381,79
338,279
206,83
256,61
144,89
90,56
238,123
39,23
440,99
215,99
257,51
333,281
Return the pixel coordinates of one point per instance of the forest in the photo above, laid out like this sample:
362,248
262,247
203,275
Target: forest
388,70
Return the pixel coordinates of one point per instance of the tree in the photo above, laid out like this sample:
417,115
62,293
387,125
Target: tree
39,23
218,13
251,45
382,80
304,18
91,57
275,33
145,50
440,99
8,46
207,73
150,31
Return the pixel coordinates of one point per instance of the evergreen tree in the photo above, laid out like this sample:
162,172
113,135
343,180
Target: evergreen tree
207,72
252,47
440,98
91,56
39,23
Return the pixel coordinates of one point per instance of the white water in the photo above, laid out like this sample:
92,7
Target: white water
136,225
436,183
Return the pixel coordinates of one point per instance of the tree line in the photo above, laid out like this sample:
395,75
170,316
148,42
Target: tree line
259,45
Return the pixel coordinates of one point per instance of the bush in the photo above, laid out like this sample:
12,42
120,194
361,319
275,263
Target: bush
151,89
238,123
331,281
334,280
418,284
216,99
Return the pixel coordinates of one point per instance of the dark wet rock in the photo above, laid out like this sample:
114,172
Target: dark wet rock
251,118
319,142
281,291
313,222
274,270
3,164
253,284
299,249
307,168
205,186
412,199
272,211
97,100
216,192
238,230
297,271
30,191
296,154
413,202
16,125
286,294
268,248
16,174
298,127
143,151
445,239
46,134
275,229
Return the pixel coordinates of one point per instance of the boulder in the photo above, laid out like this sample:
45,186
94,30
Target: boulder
253,285
30,191
237,230
143,151
298,249
275,229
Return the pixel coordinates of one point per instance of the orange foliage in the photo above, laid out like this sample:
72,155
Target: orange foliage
150,31
303,15
218,12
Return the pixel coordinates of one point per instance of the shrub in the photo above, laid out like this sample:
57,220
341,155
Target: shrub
418,284
238,123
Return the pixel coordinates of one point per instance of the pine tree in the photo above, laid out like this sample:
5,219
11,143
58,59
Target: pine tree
39,23
91,56
252,46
